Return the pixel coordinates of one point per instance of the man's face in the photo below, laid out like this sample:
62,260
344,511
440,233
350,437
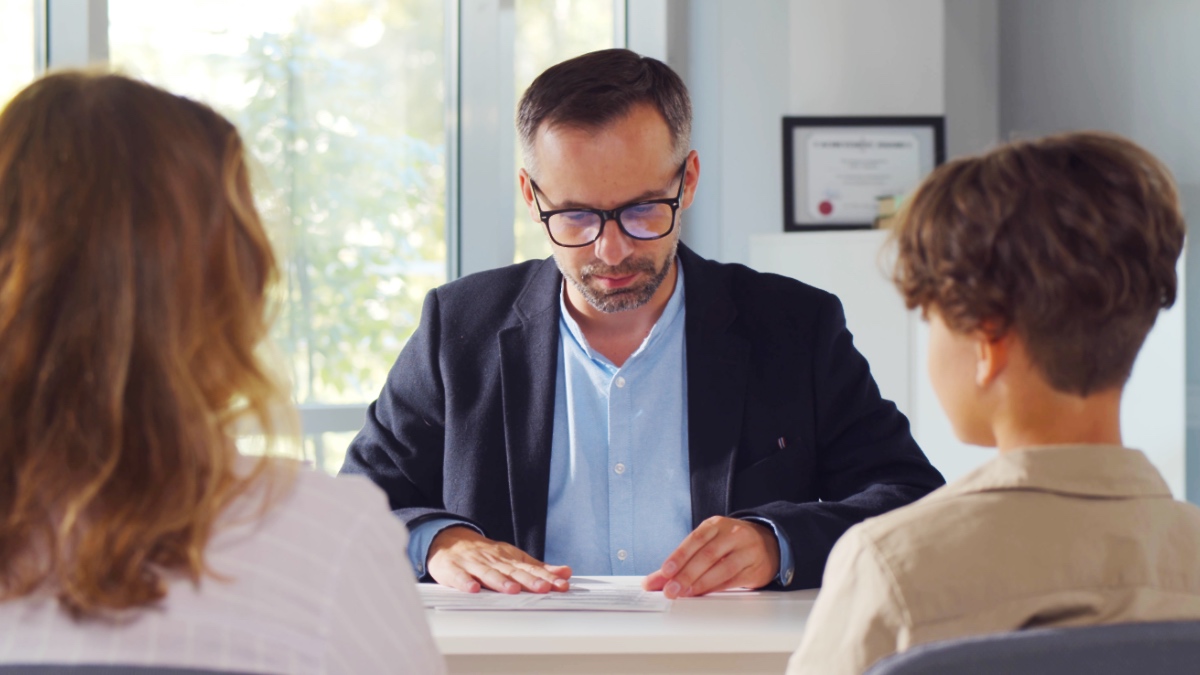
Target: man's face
629,160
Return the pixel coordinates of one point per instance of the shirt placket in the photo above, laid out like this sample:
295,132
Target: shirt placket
620,484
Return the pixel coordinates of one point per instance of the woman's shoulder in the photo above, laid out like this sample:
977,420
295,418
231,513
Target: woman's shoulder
294,506
350,495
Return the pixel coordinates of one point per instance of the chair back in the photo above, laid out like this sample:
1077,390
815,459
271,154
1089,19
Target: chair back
103,669
1159,648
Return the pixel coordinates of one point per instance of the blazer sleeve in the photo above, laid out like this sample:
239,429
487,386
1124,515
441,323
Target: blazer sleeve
401,446
867,462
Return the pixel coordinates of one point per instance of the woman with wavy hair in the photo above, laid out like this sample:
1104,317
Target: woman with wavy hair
134,282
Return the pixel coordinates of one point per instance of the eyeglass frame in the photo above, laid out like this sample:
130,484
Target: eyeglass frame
614,214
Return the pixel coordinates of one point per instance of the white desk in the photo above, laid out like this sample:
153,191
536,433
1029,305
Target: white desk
734,632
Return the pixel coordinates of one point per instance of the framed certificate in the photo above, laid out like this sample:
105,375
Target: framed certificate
836,168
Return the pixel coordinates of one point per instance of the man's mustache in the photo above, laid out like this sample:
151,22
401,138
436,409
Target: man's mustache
626,268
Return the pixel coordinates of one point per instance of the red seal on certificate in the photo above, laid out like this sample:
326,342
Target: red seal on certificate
825,207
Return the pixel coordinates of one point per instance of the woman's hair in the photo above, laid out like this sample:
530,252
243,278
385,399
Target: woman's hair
1071,241
134,273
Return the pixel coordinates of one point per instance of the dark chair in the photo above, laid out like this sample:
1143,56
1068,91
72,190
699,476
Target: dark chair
97,669
1140,648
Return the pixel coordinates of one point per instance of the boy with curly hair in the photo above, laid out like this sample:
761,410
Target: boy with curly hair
1041,267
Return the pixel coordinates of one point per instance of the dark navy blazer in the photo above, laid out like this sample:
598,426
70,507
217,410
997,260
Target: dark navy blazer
785,421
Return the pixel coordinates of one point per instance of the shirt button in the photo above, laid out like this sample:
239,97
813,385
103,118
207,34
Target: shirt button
619,468
621,555
620,382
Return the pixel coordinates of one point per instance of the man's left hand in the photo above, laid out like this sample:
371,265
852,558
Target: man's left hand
721,553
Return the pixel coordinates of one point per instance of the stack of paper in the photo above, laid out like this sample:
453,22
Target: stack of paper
585,595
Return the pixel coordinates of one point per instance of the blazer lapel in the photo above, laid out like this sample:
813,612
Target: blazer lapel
528,372
717,363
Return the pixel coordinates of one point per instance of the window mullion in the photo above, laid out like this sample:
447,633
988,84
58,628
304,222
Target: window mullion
486,134
40,37
621,23
76,33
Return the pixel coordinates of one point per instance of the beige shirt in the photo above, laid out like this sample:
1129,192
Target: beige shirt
1053,536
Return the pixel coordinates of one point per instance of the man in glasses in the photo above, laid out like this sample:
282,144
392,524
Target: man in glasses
628,407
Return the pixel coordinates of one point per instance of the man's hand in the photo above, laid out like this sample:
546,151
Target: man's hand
721,553
461,558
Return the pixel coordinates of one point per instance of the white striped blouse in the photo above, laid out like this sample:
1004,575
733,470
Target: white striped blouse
321,584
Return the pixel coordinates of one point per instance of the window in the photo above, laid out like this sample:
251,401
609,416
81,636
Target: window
548,32
17,64
363,132
341,103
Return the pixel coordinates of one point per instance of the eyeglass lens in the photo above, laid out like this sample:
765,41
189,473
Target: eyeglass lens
641,221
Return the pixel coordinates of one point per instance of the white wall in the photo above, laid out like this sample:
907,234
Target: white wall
866,57
737,72
972,75
990,67
1132,68
849,265
748,65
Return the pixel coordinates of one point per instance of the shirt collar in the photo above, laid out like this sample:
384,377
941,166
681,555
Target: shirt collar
1104,471
670,313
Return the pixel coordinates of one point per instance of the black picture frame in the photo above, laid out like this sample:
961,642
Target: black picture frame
931,134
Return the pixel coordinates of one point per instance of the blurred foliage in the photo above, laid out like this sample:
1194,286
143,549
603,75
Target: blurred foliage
16,47
341,104
355,171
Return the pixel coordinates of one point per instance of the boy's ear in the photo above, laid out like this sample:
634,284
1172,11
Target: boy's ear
991,356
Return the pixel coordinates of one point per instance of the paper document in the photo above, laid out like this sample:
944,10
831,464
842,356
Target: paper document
591,595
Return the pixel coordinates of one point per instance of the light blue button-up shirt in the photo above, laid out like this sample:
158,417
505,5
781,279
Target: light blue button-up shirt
620,489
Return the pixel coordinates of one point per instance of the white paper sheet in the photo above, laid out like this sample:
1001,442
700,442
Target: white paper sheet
591,595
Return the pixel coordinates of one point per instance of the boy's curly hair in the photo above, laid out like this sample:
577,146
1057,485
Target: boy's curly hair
1069,240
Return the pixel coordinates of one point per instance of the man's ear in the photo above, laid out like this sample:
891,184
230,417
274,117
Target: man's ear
691,178
526,184
991,355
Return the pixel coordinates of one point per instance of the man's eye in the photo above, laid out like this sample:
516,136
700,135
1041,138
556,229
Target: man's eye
577,216
641,209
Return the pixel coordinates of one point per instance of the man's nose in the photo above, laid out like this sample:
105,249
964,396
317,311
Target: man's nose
613,246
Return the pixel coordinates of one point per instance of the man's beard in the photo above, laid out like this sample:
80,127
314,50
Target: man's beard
620,299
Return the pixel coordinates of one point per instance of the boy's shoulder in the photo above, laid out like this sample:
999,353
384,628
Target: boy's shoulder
966,549
927,523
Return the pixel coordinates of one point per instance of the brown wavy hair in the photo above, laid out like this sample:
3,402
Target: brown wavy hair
1070,240
134,277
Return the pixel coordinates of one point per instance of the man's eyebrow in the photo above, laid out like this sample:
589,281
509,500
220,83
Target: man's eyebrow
572,204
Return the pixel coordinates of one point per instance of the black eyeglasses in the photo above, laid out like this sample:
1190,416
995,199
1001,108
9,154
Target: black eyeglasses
648,220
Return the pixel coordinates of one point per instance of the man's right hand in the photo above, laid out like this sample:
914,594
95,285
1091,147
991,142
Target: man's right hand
461,558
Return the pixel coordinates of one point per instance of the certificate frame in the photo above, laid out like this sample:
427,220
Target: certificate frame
928,134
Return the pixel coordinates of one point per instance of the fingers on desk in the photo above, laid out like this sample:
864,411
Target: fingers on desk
732,571
531,580
654,581
498,581
459,579
694,555
505,575
721,553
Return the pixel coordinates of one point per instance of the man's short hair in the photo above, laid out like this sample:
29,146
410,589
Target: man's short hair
1071,241
597,88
